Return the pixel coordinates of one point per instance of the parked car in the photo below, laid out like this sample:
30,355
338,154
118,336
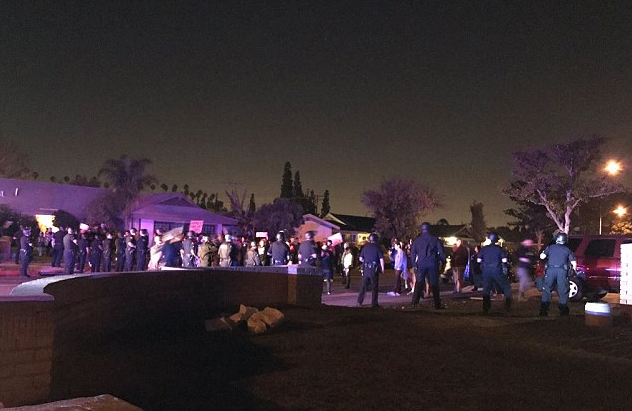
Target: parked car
598,265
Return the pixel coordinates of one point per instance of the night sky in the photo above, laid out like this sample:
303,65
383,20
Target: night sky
220,94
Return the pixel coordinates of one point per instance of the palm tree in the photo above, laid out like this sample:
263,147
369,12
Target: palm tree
127,176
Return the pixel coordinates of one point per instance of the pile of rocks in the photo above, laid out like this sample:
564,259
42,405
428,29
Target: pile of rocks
257,321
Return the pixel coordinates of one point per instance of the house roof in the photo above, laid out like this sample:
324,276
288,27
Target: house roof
448,230
176,208
33,197
318,220
351,222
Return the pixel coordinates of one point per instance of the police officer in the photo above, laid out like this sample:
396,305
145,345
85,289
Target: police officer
142,250
26,252
426,253
560,260
279,252
307,251
130,249
82,251
58,247
491,259
106,259
372,260
187,252
70,251
119,249
96,252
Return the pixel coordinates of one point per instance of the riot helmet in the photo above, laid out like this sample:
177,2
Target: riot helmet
493,237
309,235
561,238
373,238
280,236
425,227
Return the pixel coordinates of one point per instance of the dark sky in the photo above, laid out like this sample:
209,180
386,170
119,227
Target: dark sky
220,94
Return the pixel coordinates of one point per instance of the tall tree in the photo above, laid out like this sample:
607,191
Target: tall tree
530,219
14,163
297,188
399,205
252,207
282,215
286,182
478,226
325,207
127,176
561,176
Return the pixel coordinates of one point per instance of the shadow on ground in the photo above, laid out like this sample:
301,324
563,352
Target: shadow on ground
165,367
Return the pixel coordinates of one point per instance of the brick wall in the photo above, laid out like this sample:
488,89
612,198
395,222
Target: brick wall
46,316
26,348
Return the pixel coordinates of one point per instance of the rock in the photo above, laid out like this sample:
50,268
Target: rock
272,316
218,324
243,315
256,325
246,311
98,403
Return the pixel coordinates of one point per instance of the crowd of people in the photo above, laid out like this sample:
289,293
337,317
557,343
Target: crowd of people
416,263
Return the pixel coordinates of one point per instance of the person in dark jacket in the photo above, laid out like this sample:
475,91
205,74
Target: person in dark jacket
119,248
58,247
142,250
491,258
70,251
279,252
559,260
307,251
426,253
372,260
26,252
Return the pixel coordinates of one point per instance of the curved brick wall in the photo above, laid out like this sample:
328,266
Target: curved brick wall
43,317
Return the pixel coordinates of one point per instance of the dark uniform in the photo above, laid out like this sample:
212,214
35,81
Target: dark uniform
130,252
106,258
307,252
372,260
58,248
491,259
560,259
96,253
426,253
142,251
279,253
188,252
119,248
82,252
26,253
70,253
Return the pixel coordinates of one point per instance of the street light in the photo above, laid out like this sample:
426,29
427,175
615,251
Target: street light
620,211
613,167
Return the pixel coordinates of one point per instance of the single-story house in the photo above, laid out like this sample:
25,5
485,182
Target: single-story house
165,210
354,229
322,229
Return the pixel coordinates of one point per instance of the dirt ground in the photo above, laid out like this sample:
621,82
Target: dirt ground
338,358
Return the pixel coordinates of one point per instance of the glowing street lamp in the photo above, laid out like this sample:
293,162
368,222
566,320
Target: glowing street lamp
620,211
613,167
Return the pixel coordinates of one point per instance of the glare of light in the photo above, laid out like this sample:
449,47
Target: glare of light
613,167
450,241
44,221
620,211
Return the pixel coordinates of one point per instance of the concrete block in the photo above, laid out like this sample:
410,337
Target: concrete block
272,317
256,325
